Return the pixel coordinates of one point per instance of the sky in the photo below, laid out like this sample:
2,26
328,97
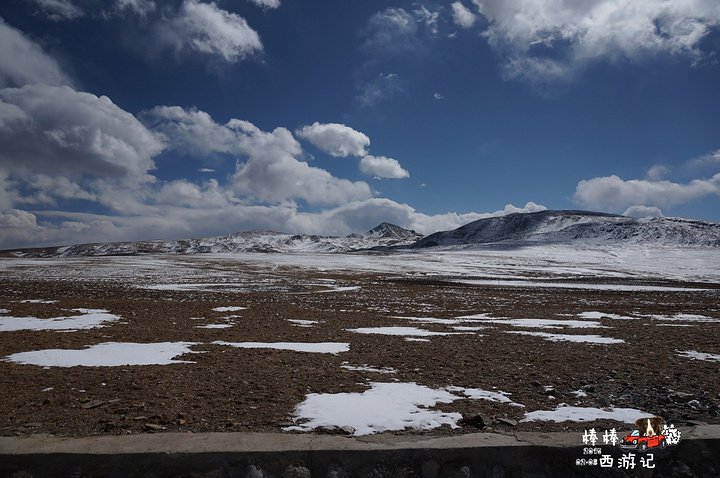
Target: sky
150,119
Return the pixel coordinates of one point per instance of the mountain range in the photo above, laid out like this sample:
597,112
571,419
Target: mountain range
538,228
552,227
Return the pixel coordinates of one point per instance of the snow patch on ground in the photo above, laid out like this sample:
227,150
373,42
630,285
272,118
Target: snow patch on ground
573,285
108,354
687,318
231,308
402,331
383,407
367,368
692,354
337,289
563,412
303,323
479,394
539,323
317,347
603,315
590,339
87,319
431,320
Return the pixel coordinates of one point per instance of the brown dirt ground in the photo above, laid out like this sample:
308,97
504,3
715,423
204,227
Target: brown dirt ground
231,389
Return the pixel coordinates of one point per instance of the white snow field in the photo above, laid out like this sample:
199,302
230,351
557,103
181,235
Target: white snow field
521,265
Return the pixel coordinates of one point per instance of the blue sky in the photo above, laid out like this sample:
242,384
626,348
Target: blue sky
151,119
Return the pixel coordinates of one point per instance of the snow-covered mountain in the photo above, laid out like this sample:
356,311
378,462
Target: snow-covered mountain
552,227
383,236
538,228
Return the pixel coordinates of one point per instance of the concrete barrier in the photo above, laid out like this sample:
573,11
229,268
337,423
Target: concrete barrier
263,455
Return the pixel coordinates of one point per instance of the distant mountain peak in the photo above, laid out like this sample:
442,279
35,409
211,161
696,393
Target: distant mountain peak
391,231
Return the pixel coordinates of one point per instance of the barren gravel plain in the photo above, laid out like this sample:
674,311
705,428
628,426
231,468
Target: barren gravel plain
252,337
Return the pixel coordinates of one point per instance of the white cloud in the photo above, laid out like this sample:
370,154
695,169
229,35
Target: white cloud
74,133
47,188
382,167
335,139
267,3
191,131
390,32
360,216
430,19
182,209
614,193
579,32
183,193
379,88
706,162
60,9
462,16
657,172
643,211
22,61
139,7
271,173
208,29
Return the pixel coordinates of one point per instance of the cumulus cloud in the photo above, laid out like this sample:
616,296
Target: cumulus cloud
657,172
208,29
191,131
614,193
335,139
643,211
271,173
74,133
184,209
382,167
23,62
462,16
57,143
556,38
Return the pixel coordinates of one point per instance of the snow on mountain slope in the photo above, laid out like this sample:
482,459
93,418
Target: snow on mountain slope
552,227
545,227
383,236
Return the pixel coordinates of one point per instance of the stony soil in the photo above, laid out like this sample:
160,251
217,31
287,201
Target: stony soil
232,389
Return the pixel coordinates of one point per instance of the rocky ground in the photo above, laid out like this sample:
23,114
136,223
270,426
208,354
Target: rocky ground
233,389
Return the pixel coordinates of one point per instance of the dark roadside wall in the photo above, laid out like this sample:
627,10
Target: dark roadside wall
690,458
